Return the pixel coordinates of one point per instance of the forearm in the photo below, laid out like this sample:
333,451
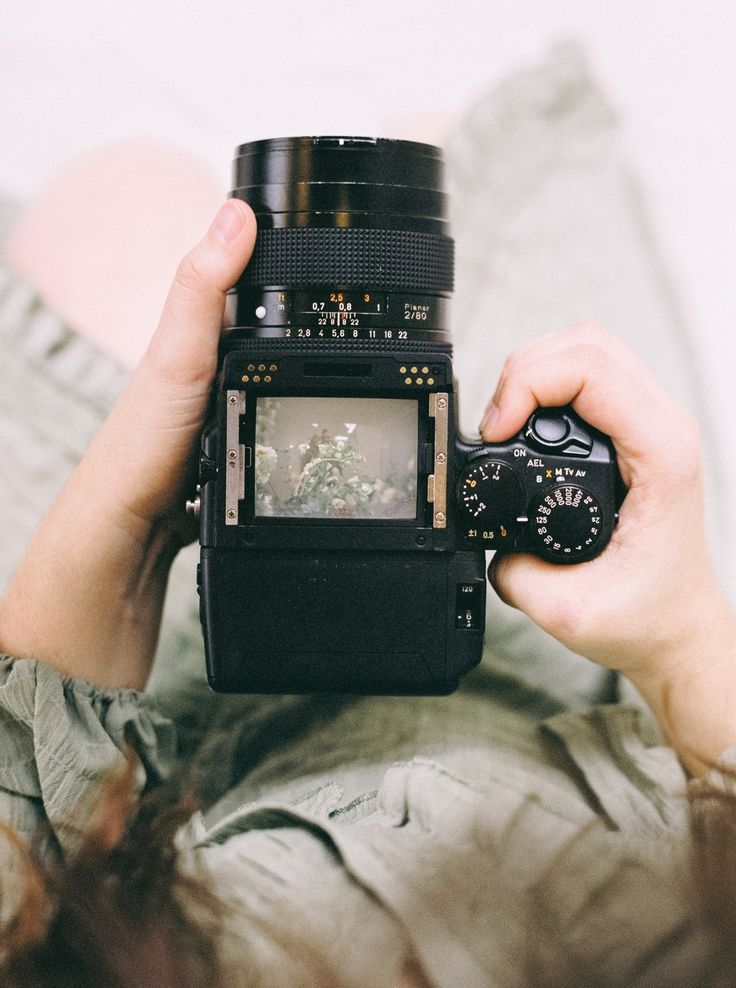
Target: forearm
86,600
691,688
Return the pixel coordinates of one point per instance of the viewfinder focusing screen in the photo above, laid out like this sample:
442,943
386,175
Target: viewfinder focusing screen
352,458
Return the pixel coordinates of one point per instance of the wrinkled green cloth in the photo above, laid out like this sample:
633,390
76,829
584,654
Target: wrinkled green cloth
350,833
365,828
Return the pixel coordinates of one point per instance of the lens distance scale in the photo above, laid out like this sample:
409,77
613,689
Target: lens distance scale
357,314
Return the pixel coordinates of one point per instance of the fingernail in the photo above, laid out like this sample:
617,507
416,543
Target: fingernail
228,223
489,418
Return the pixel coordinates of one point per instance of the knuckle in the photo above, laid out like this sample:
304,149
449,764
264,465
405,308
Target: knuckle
690,431
681,455
190,278
506,365
592,331
511,365
591,358
565,618
690,440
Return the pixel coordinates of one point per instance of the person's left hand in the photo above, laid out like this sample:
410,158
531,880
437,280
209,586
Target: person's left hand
88,596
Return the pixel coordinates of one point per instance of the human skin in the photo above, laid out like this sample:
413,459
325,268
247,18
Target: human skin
649,606
87,599
88,596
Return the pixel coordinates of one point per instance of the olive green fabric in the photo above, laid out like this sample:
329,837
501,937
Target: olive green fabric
360,830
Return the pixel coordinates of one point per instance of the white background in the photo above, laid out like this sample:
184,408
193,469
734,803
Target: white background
211,75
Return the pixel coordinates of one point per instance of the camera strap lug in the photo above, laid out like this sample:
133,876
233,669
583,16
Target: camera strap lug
439,410
234,456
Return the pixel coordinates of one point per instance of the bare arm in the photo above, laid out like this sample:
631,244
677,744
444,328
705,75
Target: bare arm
88,596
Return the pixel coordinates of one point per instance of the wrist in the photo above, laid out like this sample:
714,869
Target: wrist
690,686
87,599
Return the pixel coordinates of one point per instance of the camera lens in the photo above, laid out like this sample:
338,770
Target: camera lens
353,243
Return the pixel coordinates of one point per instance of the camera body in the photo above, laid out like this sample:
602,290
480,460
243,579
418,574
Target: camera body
344,520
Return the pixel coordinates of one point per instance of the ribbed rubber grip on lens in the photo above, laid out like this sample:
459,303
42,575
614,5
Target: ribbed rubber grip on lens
398,260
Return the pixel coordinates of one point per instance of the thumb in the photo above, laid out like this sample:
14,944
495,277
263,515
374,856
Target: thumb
550,595
184,347
153,428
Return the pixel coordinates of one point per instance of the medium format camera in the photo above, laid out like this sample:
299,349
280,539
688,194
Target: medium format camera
344,522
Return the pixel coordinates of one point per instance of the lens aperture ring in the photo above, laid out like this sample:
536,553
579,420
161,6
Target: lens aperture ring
399,260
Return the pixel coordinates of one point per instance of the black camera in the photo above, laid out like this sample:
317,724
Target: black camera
344,522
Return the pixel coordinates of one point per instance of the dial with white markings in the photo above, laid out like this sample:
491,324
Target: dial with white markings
492,499
566,522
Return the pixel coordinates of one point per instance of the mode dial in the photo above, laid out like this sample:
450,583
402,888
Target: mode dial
566,523
492,498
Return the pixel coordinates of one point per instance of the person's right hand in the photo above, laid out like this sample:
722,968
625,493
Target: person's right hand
649,605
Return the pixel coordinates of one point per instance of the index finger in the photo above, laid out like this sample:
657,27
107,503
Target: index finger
604,381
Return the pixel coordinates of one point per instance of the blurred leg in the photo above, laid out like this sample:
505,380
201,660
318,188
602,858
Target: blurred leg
102,240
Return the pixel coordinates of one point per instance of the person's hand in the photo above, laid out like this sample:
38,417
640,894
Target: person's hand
649,605
88,596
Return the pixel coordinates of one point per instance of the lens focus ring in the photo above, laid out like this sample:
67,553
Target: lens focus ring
352,257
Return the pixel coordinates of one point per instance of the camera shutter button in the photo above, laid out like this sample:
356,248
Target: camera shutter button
548,428
558,430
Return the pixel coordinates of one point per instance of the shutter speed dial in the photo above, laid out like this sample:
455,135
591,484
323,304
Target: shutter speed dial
566,522
492,498
524,496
